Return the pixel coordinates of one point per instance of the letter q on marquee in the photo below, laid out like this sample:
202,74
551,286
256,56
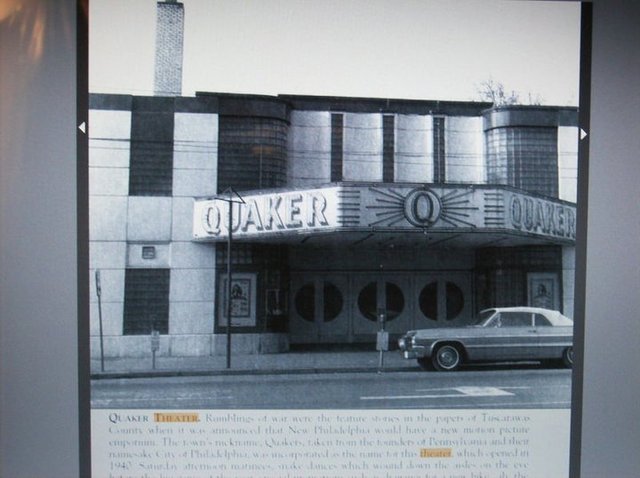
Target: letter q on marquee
211,219
422,207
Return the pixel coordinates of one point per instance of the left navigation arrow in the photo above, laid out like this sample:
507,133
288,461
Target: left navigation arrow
83,127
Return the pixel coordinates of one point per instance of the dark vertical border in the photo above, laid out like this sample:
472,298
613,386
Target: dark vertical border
38,258
584,111
82,185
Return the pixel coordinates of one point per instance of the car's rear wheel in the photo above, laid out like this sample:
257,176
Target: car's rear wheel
425,363
447,358
567,357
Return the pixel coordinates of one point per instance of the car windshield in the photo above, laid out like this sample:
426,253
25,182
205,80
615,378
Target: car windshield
483,316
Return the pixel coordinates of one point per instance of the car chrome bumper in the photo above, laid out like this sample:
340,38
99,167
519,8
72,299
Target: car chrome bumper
414,353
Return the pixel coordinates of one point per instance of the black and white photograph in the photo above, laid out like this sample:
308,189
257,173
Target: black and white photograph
325,241
374,206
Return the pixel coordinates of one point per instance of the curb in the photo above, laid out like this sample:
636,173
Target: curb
225,372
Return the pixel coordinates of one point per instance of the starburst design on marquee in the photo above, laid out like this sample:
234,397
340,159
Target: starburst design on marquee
391,207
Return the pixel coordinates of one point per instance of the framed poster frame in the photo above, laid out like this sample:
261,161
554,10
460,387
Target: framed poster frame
243,300
543,290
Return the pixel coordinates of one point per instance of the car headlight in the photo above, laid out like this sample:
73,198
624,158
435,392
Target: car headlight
407,341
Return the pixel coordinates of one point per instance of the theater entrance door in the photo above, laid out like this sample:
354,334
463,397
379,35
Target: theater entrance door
319,312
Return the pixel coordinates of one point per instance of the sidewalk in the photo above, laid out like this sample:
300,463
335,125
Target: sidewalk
280,363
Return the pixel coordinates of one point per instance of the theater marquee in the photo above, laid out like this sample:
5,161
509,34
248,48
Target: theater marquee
267,214
384,208
540,216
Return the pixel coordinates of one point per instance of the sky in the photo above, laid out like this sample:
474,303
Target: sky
413,49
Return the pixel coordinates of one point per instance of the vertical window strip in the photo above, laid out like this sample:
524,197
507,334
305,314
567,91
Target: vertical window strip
438,150
337,134
388,148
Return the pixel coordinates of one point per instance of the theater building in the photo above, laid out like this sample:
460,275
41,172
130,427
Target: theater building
423,211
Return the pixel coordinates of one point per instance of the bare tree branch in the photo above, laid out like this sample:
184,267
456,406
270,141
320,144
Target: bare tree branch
495,92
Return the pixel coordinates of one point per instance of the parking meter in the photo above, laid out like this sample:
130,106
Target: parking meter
382,339
155,346
155,340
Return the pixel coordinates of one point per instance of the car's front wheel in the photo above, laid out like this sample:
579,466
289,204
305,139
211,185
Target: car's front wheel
447,358
567,357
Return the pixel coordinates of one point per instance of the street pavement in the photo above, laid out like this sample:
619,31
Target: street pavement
280,363
476,387
335,379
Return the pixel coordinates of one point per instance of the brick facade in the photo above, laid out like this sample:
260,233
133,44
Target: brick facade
169,45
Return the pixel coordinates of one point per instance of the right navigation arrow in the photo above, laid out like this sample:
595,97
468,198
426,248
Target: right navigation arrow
583,134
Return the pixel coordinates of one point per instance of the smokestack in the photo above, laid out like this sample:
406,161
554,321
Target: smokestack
169,40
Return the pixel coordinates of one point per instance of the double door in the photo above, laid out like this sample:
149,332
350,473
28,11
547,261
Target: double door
319,309
346,307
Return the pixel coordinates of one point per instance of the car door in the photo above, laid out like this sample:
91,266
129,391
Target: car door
517,337
552,340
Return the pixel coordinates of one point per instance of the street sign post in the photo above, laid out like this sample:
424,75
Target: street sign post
155,346
99,294
382,339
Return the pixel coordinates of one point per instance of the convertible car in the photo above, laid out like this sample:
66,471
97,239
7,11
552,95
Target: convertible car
499,334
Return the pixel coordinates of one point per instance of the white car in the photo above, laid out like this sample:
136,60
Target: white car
499,334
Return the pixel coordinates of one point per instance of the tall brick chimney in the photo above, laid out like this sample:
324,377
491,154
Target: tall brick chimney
169,40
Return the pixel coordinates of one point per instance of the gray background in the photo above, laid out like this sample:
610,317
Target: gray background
39,434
